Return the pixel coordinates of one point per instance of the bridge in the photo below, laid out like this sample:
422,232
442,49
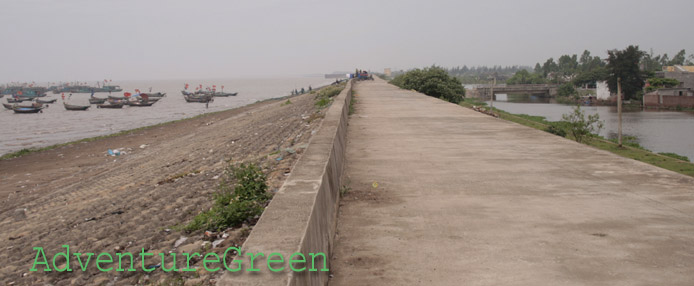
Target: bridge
484,91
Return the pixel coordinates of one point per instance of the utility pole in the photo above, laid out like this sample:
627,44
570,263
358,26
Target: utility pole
492,91
619,110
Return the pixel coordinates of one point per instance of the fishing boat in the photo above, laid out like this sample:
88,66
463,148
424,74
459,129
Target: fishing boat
33,105
203,99
140,103
154,94
46,101
224,94
18,99
75,107
18,109
117,97
97,100
110,105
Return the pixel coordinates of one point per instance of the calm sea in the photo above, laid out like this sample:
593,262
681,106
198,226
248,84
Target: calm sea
57,125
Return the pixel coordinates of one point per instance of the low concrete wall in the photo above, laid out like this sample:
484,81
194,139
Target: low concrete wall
302,216
668,101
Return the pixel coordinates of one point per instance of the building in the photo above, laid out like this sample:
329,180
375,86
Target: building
684,74
602,92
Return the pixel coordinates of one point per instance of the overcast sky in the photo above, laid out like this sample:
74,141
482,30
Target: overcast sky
64,40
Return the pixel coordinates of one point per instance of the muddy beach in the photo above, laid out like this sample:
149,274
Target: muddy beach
80,196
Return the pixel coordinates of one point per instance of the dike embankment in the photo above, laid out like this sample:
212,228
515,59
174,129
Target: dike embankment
302,215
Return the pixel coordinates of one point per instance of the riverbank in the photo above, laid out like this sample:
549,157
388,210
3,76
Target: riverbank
639,154
76,194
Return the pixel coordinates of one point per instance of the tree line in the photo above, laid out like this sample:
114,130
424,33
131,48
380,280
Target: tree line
633,66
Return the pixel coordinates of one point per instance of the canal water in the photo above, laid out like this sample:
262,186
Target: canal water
658,131
57,125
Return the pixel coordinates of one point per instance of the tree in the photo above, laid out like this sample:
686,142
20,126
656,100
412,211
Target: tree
568,66
590,77
525,77
678,59
580,127
566,90
651,62
549,67
624,64
538,68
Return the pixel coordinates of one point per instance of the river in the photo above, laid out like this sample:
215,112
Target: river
658,131
57,125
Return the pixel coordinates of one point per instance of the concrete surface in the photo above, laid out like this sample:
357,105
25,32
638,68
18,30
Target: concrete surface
302,215
466,199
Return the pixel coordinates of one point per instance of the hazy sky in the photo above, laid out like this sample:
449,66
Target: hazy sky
52,40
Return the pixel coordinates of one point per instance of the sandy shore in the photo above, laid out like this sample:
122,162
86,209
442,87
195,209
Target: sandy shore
79,196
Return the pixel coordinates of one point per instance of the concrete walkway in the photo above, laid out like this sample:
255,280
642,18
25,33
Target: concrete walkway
461,198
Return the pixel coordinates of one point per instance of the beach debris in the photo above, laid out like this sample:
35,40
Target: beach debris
290,150
143,146
279,158
115,152
374,185
153,266
217,242
180,241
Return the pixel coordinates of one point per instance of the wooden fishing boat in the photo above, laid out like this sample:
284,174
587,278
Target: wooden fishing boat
202,99
18,109
46,101
33,105
110,105
117,97
154,94
97,100
224,94
75,107
18,100
140,103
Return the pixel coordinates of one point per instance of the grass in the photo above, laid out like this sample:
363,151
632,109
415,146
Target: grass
325,95
241,196
631,150
352,102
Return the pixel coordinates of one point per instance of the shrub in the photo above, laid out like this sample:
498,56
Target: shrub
566,90
242,195
579,126
433,81
556,130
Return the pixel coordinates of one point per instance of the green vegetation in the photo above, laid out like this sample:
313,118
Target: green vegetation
525,77
659,160
325,95
433,81
566,90
579,126
288,102
242,196
624,65
676,156
352,101
657,83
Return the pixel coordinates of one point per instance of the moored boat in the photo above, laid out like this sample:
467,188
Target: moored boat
110,105
97,100
18,109
203,98
140,103
46,101
224,94
75,107
33,105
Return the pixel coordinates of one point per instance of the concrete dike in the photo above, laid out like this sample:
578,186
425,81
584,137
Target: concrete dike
302,216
